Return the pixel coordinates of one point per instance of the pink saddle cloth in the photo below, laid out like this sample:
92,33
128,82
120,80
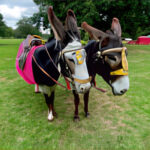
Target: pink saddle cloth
27,72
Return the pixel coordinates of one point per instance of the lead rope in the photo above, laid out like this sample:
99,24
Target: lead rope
99,89
95,87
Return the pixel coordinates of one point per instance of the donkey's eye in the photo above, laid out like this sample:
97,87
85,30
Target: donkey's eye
112,58
73,53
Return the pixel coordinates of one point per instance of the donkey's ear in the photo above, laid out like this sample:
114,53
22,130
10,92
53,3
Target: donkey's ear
93,32
71,24
57,27
115,26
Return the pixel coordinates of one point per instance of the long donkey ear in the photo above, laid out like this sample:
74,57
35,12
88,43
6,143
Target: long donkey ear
115,26
71,25
93,32
96,34
57,27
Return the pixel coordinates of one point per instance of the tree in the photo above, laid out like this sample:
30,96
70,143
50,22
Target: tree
131,13
25,27
9,32
2,26
4,30
99,13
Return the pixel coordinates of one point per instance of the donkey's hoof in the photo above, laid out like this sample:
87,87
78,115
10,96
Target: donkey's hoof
76,119
87,115
50,116
50,120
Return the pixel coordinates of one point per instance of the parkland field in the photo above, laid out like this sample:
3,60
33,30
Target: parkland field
115,122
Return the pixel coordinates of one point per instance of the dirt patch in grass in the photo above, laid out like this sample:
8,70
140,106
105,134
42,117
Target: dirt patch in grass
142,52
139,51
112,110
13,80
2,79
8,59
70,102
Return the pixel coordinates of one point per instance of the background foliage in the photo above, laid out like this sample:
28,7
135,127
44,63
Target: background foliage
25,27
4,30
134,16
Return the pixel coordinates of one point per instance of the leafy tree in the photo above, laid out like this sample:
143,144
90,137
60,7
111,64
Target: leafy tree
9,32
84,10
99,13
2,26
131,13
4,30
25,27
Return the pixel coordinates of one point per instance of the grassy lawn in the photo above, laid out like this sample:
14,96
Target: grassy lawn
115,123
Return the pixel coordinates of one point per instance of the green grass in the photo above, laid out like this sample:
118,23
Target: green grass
115,123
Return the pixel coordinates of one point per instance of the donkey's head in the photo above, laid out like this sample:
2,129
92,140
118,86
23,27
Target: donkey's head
73,55
110,55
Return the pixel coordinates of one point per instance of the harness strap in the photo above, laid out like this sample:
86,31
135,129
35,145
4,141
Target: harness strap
51,58
83,81
47,73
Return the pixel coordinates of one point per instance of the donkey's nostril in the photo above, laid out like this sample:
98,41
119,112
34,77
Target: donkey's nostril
82,88
123,91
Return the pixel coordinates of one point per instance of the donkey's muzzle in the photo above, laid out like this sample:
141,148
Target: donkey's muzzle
84,87
84,84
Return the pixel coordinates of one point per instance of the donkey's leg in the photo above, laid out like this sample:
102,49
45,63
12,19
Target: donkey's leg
50,104
86,100
76,103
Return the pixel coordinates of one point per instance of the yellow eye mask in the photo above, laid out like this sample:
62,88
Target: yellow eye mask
124,70
79,57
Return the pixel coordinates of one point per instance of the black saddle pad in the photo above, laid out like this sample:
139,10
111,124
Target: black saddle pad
45,62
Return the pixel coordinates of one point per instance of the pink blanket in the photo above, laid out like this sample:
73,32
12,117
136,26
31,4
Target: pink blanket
27,73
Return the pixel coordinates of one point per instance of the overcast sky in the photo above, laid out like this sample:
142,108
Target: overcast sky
13,10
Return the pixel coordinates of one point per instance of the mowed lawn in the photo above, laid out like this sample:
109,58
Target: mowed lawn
115,122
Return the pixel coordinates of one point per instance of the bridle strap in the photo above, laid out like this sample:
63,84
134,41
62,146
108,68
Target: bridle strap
70,50
83,81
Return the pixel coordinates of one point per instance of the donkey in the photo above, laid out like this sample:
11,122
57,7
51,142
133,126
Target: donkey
106,57
65,51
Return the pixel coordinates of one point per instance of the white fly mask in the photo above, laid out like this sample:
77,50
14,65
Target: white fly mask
75,58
